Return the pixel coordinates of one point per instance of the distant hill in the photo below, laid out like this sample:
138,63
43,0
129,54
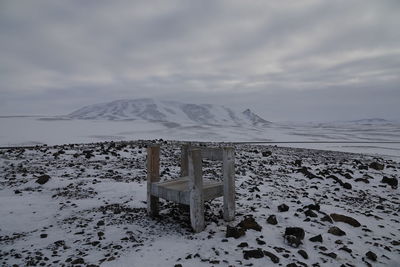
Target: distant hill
168,111
371,121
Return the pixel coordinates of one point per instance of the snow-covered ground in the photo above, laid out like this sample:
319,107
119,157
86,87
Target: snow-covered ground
49,130
91,209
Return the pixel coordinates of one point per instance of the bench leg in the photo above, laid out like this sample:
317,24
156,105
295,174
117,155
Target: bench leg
196,191
153,175
228,155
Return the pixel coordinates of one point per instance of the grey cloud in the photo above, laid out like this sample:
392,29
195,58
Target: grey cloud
58,55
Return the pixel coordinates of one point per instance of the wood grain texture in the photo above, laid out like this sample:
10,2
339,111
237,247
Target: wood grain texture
153,175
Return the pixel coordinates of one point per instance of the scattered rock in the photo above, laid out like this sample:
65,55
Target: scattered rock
266,153
260,242
243,245
330,254
313,207
307,173
303,253
43,179
334,230
317,238
78,261
272,256
393,182
364,180
249,223
43,235
298,162
345,219
371,256
272,220
377,166
283,208
326,218
296,231
234,232
344,248
347,186
254,253
310,213
293,236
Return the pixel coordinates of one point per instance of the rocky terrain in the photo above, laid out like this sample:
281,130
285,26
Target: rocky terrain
85,205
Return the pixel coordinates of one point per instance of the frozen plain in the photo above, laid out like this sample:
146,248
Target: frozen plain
20,131
91,212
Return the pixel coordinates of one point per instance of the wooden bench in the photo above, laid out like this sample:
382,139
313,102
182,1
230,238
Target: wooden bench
191,189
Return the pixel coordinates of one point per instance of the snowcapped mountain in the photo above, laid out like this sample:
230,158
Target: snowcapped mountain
167,111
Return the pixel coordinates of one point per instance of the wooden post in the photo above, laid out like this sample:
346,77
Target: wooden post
153,175
185,160
196,190
228,155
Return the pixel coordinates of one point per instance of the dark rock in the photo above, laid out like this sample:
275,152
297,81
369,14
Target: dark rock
317,238
345,219
330,254
266,153
371,256
260,242
348,175
292,265
178,265
78,261
347,186
272,256
395,243
293,236
249,223
364,180
254,253
307,173
297,162
234,232
376,166
326,218
43,179
344,248
336,231
393,182
293,241
283,208
17,192
310,213
303,253
313,207
296,231
43,235
272,220
243,245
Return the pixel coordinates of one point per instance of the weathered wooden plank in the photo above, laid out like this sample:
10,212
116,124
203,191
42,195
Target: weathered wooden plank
210,153
185,160
229,183
178,190
196,190
153,175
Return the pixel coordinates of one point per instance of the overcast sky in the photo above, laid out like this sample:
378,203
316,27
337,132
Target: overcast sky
286,60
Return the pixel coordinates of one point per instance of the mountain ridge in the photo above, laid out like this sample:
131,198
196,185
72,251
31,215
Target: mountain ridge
168,111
